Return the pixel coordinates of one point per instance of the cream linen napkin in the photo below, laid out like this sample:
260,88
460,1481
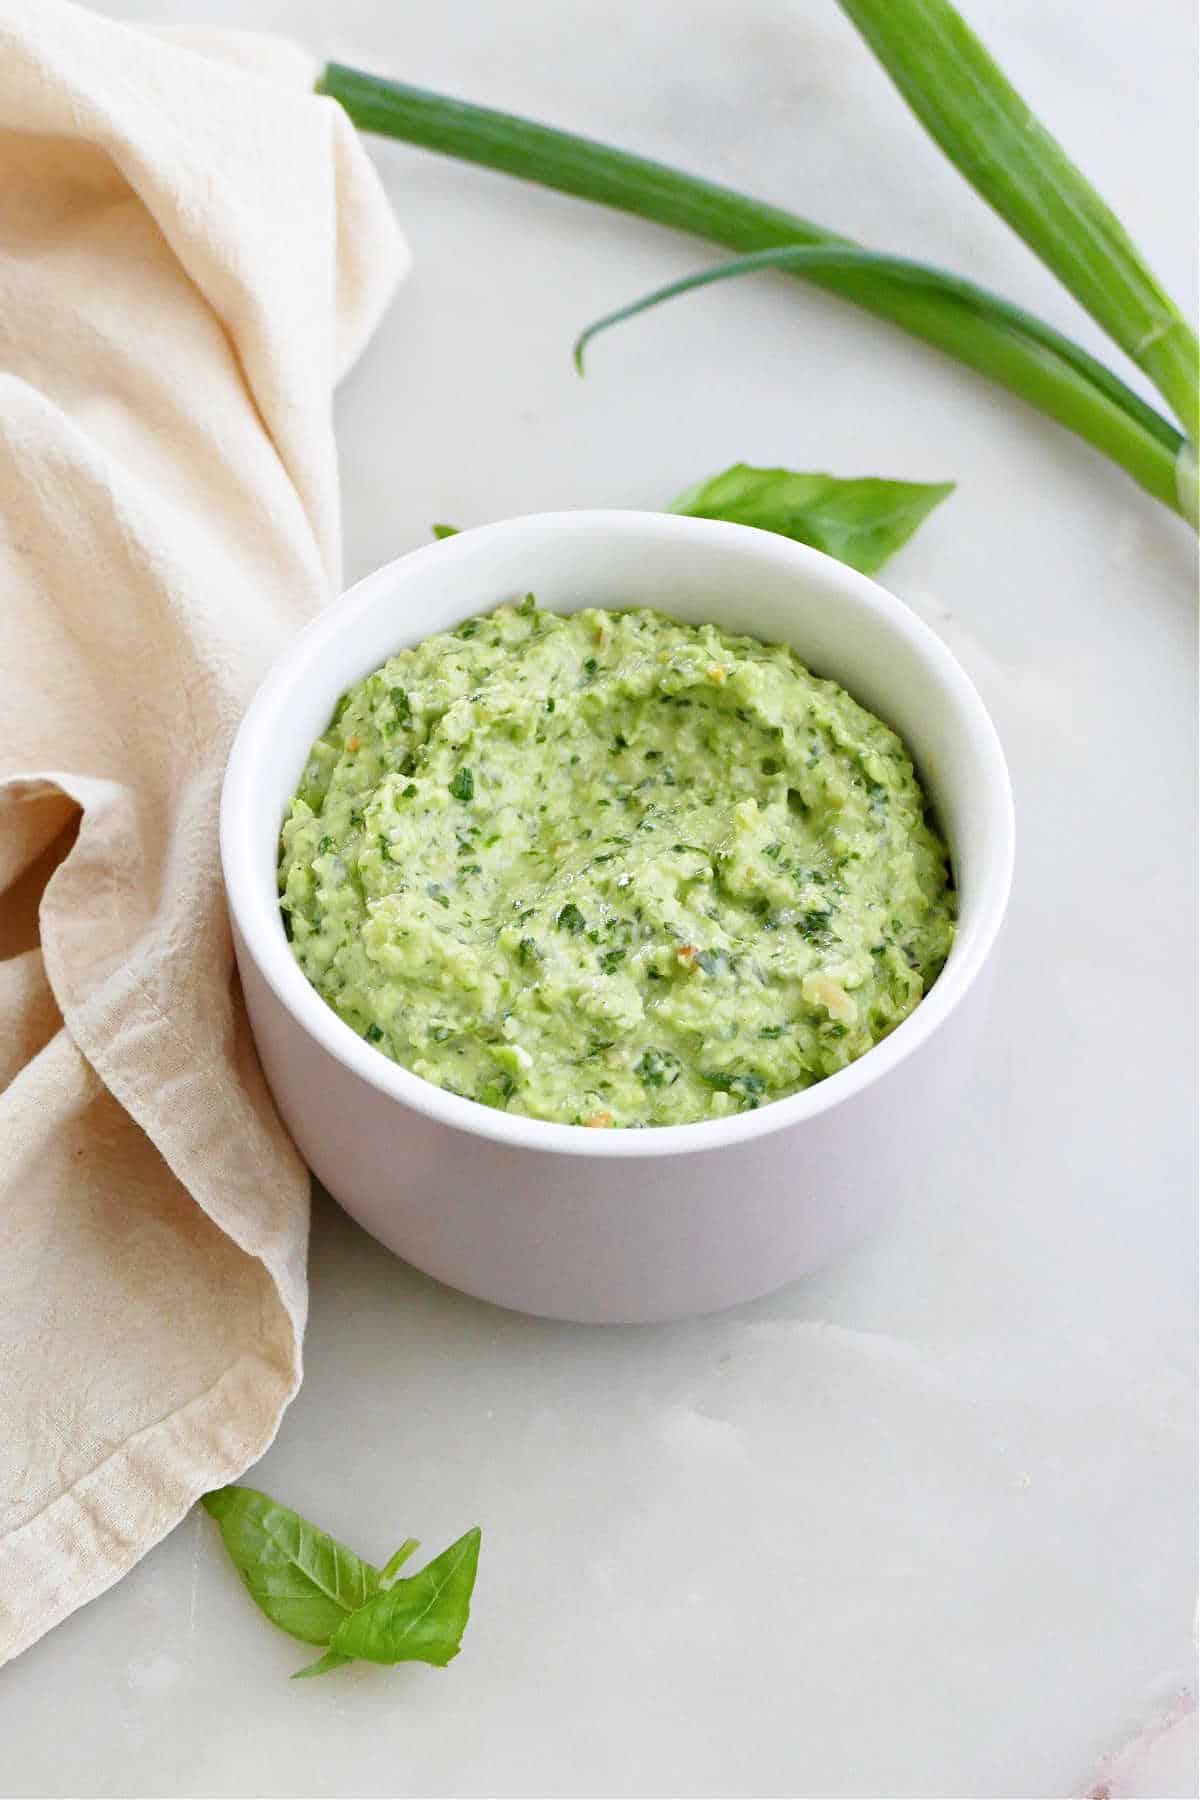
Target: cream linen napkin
193,248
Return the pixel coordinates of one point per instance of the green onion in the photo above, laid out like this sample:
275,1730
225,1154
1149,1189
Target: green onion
993,336
1061,383
975,115
561,160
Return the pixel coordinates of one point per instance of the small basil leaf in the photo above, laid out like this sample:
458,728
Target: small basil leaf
389,1570
322,1666
420,1619
862,521
444,531
305,1581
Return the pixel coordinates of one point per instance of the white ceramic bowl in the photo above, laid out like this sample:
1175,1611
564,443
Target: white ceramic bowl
617,1225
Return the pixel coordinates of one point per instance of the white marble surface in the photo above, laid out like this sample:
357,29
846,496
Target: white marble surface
925,1525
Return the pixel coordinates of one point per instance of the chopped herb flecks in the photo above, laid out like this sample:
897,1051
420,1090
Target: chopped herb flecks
611,869
659,1068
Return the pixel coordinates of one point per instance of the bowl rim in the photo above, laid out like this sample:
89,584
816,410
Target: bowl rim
257,921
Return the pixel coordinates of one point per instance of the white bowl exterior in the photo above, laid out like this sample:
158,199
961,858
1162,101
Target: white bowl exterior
617,1226
598,1241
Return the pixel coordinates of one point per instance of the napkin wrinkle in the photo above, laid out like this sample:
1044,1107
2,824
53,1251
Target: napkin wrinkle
183,129
193,248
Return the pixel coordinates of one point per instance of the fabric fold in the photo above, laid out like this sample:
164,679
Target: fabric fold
193,248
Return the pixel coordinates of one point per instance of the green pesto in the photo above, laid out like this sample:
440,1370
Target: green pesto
607,868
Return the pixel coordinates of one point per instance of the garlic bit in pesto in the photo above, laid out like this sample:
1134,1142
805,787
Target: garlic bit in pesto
608,869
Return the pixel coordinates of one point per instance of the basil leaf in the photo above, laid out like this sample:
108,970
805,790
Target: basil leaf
388,1572
420,1619
444,531
860,521
305,1581
322,1666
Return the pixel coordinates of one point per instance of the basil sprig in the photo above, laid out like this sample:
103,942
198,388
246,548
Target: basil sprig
859,519
418,1620
319,1591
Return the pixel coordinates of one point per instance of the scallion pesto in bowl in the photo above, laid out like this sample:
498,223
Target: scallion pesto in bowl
608,869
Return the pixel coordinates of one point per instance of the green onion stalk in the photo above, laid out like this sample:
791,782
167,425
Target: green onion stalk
978,329
979,120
